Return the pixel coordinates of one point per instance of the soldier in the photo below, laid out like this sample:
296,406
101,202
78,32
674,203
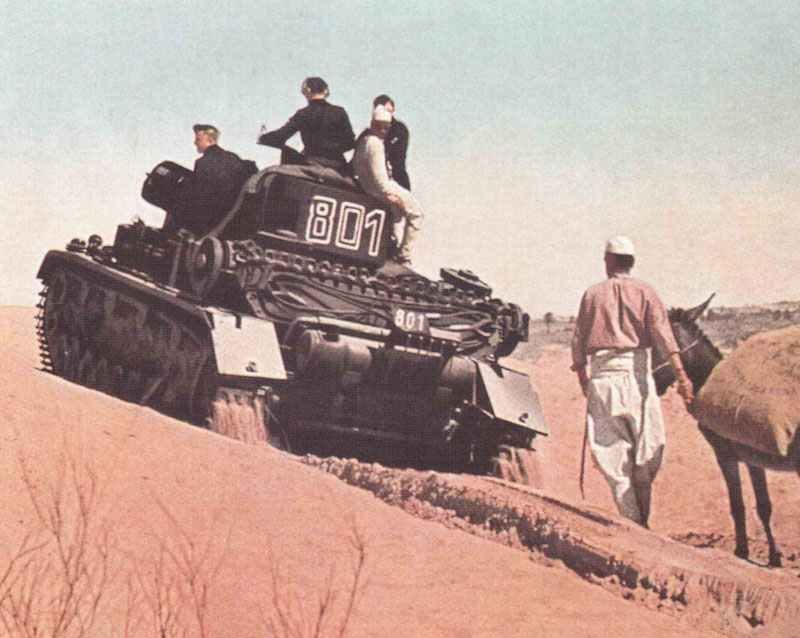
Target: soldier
218,178
396,143
619,321
324,128
369,164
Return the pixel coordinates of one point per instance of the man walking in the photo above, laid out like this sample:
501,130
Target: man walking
619,321
369,164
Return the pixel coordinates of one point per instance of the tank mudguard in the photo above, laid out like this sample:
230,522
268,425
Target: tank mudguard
245,346
132,284
511,397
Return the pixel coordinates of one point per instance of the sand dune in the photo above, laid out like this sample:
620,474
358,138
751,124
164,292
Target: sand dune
261,536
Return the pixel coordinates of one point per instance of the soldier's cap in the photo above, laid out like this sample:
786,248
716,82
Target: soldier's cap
381,114
620,245
205,127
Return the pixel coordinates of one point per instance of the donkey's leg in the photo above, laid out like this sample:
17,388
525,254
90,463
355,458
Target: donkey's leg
729,464
764,506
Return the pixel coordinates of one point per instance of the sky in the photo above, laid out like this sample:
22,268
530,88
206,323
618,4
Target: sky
538,129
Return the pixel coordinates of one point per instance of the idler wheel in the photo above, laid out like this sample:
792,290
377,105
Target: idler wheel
205,265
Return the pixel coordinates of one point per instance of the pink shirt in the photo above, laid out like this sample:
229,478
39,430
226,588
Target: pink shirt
620,313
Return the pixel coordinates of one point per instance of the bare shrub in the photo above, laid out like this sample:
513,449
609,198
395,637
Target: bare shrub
290,617
63,576
175,587
55,580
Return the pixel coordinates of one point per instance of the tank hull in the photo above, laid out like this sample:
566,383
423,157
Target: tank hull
276,337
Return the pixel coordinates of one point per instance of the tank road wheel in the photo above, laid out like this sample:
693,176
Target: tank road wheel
518,465
205,265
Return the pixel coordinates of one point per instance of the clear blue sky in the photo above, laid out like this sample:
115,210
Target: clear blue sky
537,128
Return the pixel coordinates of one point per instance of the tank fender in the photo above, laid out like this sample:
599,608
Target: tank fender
51,260
245,346
512,397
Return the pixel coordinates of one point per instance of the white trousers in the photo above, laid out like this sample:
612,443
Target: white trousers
407,220
625,427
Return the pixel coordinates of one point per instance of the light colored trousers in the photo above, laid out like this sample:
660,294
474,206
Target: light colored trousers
625,427
407,220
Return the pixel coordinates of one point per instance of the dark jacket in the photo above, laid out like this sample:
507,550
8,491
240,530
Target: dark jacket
324,128
218,178
396,144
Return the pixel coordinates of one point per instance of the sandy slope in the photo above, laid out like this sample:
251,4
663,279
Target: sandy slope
257,515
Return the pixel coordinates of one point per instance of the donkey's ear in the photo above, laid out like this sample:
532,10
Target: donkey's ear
693,314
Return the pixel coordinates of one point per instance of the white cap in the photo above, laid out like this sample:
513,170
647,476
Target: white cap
620,245
381,114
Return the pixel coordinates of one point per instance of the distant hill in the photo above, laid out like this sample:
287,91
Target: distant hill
726,326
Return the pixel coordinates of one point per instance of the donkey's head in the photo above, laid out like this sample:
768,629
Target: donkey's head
698,354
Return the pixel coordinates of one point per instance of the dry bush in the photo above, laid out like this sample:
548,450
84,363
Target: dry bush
175,587
67,576
328,616
54,582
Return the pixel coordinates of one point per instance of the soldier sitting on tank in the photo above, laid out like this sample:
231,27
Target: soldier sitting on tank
372,174
218,178
324,128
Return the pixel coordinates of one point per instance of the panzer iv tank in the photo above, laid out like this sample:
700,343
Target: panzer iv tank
287,322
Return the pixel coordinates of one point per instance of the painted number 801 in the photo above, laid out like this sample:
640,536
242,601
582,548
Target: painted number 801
410,321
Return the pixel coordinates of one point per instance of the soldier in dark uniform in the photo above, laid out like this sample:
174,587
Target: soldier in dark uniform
218,178
324,128
396,143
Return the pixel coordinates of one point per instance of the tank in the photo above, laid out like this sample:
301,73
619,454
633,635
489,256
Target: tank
289,323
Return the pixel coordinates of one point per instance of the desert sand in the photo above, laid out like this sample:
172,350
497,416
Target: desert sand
190,532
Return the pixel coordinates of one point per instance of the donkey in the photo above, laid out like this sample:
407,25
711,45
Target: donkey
699,357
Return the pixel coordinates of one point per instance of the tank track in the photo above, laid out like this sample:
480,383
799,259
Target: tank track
100,337
369,294
44,349
97,336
